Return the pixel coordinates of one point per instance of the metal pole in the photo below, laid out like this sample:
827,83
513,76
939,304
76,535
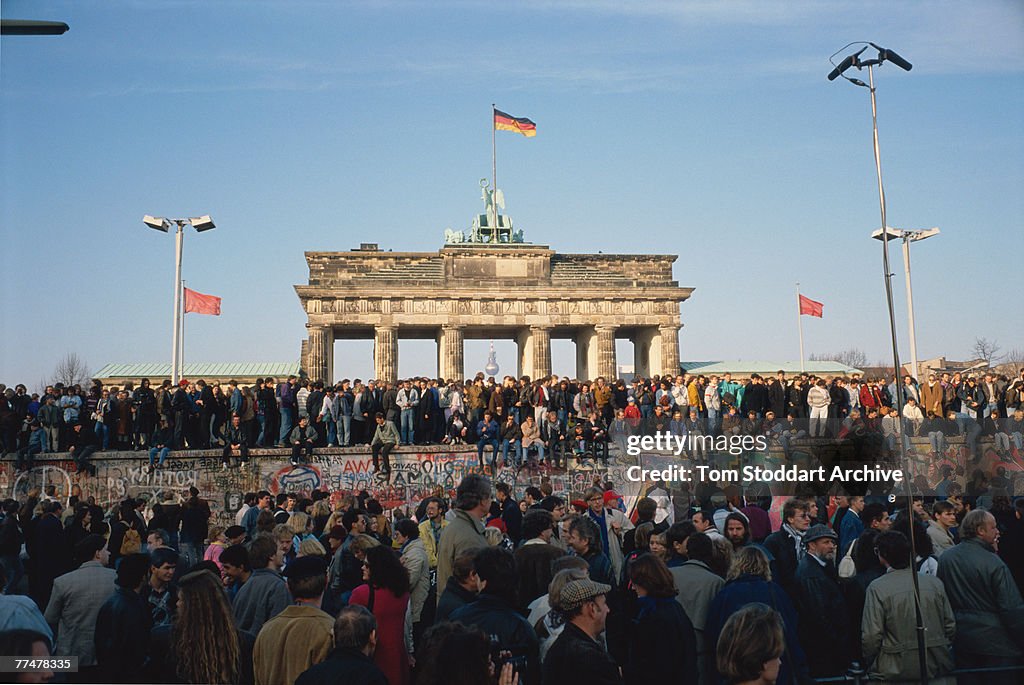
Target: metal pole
494,175
181,334
178,239
916,370
922,661
800,326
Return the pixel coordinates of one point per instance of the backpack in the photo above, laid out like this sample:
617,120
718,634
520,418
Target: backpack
847,569
131,543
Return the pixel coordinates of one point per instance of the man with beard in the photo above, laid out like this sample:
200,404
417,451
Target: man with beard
737,530
824,619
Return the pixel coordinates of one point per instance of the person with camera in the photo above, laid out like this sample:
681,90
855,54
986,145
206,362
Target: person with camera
513,639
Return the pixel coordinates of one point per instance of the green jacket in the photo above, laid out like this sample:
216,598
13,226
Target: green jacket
385,434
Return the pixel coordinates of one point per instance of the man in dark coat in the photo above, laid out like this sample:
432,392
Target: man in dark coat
825,631
777,394
510,512
351,662
785,544
49,550
534,557
577,656
495,610
986,602
180,409
123,624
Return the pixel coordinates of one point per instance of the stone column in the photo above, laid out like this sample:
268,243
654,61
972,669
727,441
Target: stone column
541,337
669,349
524,356
606,365
450,359
385,353
586,354
646,352
318,351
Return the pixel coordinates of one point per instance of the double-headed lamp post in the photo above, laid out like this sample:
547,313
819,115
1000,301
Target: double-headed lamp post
200,223
854,61
908,236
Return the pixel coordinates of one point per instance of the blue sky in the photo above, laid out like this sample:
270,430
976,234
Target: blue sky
703,129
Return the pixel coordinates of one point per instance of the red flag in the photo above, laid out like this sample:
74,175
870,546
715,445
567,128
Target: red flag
201,304
810,307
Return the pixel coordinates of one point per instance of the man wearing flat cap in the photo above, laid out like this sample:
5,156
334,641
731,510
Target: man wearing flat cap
300,636
824,619
577,656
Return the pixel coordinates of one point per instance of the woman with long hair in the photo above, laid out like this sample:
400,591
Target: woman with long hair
386,595
80,525
751,647
662,643
202,645
749,581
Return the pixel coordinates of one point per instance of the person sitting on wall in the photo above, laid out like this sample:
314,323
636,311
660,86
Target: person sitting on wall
384,440
302,439
237,443
488,431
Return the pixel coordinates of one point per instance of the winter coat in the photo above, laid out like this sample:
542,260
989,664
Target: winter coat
122,636
498,619
575,657
533,566
697,585
344,666
462,533
662,643
889,627
824,619
748,589
417,563
987,604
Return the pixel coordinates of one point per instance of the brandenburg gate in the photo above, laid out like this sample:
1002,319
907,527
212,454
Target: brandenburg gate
491,285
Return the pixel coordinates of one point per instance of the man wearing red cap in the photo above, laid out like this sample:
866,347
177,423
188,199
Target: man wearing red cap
611,522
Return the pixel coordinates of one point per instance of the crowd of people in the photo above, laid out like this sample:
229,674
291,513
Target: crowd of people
497,585
542,421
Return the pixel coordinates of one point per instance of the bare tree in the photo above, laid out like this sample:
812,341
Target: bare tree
983,349
851,357
1014,357
71,370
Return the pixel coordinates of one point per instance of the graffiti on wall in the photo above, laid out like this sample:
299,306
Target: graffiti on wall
414,477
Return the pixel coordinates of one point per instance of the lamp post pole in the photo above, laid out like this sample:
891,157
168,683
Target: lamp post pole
855,61
179,240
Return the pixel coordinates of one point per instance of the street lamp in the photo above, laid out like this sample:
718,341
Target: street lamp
908,236
200,223
854,60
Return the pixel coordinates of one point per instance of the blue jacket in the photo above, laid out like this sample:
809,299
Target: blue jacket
748,589
850,529
487,430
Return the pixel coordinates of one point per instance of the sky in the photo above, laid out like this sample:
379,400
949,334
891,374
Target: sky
703,129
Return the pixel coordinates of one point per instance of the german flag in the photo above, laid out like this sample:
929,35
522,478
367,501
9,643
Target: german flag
507,122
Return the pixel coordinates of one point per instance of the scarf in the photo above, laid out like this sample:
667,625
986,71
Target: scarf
799,539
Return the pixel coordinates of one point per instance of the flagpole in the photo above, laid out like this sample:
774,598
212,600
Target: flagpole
494,173
800,326
181,334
